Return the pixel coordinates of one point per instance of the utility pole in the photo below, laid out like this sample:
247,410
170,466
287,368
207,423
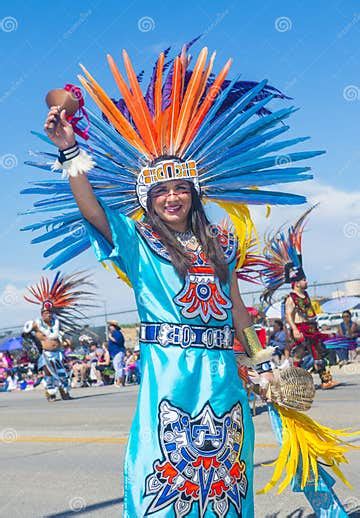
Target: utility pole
106,319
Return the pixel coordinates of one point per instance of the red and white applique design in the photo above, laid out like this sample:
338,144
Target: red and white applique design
202,295
200,469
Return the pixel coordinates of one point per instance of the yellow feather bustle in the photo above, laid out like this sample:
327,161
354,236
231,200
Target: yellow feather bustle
306,442
243,227
119,273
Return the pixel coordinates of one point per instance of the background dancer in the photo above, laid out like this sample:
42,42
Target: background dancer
300,316
283,251
61,305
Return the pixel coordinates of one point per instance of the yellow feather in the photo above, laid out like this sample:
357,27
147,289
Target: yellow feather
293,461
244,227
341,476
280,463
314,442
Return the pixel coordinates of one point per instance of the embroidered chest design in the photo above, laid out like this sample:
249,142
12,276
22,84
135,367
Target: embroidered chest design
202,295
303,305
201,462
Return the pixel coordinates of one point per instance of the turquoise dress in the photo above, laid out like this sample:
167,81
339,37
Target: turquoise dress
190,449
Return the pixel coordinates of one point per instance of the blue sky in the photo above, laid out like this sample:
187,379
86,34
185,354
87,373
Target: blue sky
310,50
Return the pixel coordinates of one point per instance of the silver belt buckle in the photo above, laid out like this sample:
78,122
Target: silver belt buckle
175,334
164,334
219,338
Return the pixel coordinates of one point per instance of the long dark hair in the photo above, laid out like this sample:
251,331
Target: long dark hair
201,227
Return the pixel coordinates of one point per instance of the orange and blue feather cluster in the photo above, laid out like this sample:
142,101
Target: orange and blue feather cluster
69,296
282,247
187,111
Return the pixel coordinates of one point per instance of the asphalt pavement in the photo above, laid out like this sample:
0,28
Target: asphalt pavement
64,459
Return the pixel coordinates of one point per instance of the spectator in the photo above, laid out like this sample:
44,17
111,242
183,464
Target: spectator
348,329
131,371
138,364
278,340
91,360
116,347
68,346
11,382
4,366
102,363
303,358
81,365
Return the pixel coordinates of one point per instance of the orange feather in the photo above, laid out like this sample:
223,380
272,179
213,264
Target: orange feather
123,125
184,58
203,84
158,100
116,118
188,102
158,85
132,105
148,127
213,92
175,102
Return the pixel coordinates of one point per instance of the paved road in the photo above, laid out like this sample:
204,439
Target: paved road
65,459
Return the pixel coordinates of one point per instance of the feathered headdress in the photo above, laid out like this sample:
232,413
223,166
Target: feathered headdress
190,124
66,297
283,257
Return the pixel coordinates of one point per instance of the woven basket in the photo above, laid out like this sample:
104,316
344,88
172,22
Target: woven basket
293,388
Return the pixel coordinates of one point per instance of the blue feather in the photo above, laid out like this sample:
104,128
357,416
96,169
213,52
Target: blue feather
258,197
226,118
254,153
251,129
68,254
262,163
262,178
55,280
65,229
229,129
43,137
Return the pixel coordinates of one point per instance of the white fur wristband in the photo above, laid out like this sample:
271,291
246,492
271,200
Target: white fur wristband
82,163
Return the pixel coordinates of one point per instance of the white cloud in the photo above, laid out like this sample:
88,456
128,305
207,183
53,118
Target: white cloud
18,275
331,240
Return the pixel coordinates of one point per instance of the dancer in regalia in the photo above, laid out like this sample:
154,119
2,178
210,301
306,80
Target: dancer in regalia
283,251
140,181
61,303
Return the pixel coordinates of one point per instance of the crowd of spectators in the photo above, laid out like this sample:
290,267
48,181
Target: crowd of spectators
93,364
89,363
288,352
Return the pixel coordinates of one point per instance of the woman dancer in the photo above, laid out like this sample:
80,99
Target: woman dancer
191,444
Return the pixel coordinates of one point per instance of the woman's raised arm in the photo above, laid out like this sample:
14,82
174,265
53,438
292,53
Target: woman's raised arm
61,133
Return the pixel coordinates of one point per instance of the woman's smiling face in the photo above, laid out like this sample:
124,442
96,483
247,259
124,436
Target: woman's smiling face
171,201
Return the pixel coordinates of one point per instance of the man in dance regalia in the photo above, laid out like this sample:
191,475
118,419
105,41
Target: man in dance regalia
283,251
140,180
300,316
61,304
